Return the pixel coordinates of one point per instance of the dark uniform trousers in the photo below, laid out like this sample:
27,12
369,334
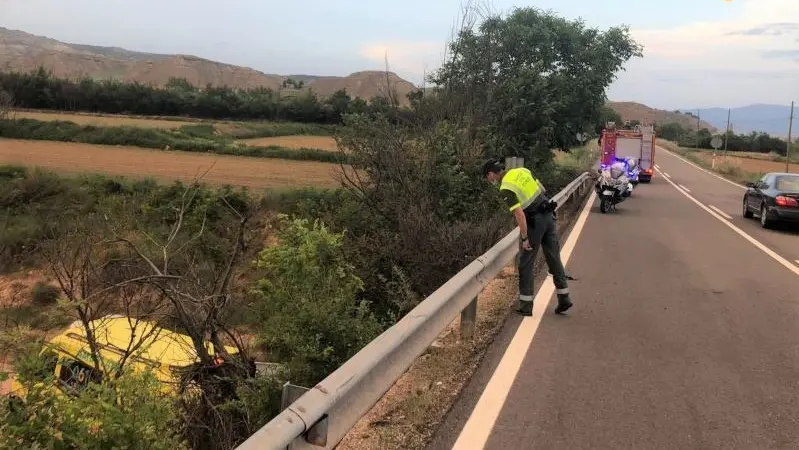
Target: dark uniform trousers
542,233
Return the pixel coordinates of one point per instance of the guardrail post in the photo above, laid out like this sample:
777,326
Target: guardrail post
468,320
317,434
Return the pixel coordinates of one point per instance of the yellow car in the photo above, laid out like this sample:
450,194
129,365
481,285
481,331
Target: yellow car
165,353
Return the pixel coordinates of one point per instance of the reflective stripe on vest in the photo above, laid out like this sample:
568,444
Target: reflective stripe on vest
521,182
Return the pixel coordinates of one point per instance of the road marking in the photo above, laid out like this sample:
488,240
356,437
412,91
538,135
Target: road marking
797,262
686,189
481,422
702,168
743,234
657,167
665,174
721,213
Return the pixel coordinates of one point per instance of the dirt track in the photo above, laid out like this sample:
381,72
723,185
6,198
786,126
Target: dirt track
167,166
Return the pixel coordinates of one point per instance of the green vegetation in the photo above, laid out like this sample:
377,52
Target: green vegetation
308,311
128,412
752,142
192,138
345,263
39,89
534,80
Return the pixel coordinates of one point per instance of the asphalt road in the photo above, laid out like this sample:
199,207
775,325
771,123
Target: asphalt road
728,197
684,335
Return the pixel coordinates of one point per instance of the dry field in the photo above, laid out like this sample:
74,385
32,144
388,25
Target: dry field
102,120
167,166
747,164
326,143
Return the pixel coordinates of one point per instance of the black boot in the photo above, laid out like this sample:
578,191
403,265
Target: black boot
525,308
564,303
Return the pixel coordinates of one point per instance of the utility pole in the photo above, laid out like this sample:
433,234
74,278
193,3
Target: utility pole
788,149
727,134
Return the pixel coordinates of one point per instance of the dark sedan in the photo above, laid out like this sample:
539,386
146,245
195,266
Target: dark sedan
775,198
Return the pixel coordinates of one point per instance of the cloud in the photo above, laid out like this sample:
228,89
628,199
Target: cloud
748,57
781,54
771,29
761,25
407,58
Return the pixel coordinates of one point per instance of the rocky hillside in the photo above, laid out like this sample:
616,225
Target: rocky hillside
23,52
645,114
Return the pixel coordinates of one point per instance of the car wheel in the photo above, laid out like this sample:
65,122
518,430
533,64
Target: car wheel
764,220
747,214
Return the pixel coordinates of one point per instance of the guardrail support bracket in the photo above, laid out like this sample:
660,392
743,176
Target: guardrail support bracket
468,319
291,392
317,434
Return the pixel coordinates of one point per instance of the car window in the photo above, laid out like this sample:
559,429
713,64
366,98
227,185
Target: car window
76,375
787,183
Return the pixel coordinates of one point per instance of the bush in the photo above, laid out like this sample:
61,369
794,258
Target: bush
307,307
44,294
36,207
128,412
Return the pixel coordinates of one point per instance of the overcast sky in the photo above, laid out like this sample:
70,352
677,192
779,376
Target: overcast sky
698,53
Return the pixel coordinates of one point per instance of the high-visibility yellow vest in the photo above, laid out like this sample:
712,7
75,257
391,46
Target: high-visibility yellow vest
521,182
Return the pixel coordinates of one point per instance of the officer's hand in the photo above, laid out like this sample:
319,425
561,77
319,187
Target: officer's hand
526,246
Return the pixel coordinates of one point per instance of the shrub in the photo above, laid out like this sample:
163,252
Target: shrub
129,412
307,307
44,294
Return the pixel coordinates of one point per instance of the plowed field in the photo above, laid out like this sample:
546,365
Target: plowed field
167,166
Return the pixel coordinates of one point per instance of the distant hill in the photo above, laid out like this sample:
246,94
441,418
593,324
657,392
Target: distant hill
23,52
647,115
772,119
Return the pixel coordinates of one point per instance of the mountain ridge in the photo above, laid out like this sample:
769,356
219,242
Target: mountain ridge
23,52
757,117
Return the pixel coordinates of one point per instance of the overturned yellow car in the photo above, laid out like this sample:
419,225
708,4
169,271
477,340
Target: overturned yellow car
139,345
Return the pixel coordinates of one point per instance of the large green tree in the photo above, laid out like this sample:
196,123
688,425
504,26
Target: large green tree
530,81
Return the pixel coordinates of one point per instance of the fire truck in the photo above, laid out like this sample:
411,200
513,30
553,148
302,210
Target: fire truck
638,143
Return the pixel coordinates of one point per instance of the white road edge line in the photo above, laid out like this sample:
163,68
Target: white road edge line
797,262
665,174
743,234
720,212
701,168
686,189
478,428
657,167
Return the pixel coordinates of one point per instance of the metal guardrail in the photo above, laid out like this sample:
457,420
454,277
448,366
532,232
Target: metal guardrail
324,414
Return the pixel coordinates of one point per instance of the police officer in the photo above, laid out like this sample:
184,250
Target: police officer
535,214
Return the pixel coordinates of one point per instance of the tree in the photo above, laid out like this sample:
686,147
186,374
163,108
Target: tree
532,80
606,114
170,259
6,105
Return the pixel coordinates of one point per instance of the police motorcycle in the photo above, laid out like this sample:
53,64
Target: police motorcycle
633,170
613,186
